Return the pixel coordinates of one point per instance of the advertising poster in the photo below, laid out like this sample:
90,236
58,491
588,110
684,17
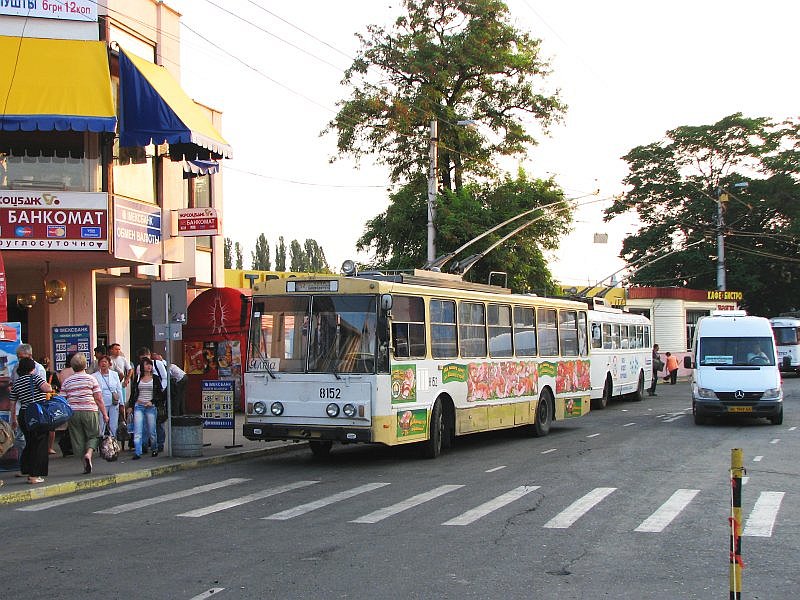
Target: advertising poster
67,340
217,404
193,362
10,339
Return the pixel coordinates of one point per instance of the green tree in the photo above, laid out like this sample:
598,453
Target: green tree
445,60
260,256
298,261
675,184
280,255
237,248
315,257
398,236
227,259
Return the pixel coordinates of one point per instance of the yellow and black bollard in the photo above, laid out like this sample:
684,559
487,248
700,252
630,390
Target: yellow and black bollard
736,525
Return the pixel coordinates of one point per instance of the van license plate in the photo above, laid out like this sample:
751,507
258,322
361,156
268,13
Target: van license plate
740,409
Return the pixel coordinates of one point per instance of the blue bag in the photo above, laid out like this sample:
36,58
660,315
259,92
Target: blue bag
48,414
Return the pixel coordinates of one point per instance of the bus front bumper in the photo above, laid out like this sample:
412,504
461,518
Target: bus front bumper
271,431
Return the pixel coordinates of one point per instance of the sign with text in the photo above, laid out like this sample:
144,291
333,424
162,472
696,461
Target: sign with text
68,340
137,231
38,220
217,404
66,10
195,221
725,295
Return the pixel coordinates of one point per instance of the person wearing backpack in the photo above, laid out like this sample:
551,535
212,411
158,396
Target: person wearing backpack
28,388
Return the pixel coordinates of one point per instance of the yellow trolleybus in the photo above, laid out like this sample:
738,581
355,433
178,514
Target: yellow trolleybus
409,358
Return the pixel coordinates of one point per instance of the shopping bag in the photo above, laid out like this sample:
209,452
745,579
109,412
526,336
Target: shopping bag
48,414
109,447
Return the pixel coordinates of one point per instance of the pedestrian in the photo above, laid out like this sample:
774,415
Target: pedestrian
67,371
52,380
111,388
84,396
124,370
658,364
672,369
178,380
160,369
147,391
27,388
99,352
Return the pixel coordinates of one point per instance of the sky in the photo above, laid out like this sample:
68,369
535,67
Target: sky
629,70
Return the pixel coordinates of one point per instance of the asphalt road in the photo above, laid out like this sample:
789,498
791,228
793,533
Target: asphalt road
631,502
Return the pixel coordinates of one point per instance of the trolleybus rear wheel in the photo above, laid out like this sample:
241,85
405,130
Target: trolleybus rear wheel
544,414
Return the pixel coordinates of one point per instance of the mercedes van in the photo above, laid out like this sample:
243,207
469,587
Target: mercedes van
735,371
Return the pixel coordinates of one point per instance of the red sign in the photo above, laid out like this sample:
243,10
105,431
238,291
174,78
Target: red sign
31,220
195,221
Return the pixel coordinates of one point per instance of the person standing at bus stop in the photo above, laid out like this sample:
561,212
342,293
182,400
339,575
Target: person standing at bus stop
658,364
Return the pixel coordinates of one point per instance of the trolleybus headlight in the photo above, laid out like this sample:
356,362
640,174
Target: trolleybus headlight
332,410
349,411
276,408
259,408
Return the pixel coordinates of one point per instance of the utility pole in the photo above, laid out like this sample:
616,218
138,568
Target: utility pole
432,181
721,197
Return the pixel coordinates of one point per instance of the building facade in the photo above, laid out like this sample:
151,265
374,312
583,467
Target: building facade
101,152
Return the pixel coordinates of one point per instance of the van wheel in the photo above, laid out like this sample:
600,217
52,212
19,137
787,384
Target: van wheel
698,420
544,414
777,419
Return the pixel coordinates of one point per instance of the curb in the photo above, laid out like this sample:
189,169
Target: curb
69,487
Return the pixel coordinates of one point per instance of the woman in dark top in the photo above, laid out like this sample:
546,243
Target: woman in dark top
28,388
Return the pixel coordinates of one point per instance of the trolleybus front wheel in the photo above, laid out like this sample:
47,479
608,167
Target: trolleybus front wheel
433,446
320,449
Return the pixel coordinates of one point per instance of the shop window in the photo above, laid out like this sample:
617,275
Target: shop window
134,173
35,160
692,317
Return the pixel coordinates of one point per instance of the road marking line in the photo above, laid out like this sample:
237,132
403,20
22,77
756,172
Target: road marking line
91,495
495,469
484,509
758,458
310,506
549,451
792,428
675,418
745,479
389,511
201,512
592,435
762,518
667,512
115,510
578,508
775,441
207,594
628,424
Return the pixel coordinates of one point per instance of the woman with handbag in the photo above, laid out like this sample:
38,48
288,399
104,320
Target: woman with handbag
111,388
147,392
27,389
84,396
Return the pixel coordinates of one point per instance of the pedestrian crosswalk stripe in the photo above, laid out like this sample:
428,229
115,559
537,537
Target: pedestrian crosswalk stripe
306,508
219,506
383,513
762,518
667,512
484,509
99,494
200,489
577,509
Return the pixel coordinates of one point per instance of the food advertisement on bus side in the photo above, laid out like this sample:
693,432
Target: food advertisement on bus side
411,423
571,375
573,407
492,381
404,384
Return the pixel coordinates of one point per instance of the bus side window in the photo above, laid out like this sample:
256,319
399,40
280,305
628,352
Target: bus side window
607,336
597,336
408,326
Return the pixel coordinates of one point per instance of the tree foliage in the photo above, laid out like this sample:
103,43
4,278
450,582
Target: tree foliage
445,60
237,248
280,255
675,184
227,258
398,236
261,261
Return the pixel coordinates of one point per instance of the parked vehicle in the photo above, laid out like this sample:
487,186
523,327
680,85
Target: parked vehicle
786,329
735,371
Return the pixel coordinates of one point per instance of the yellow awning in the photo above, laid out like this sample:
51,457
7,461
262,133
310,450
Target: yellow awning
155,109
55,85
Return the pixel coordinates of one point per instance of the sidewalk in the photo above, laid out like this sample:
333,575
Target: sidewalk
66,473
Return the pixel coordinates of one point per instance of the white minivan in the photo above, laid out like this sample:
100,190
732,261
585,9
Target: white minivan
735,371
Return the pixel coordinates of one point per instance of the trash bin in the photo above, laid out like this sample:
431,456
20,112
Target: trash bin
187,436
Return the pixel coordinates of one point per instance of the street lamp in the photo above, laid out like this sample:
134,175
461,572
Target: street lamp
722,197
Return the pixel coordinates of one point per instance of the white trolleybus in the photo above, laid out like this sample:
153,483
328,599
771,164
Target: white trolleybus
622,357
413,358
786,329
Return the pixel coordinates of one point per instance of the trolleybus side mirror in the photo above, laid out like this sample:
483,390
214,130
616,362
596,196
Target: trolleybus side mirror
687,362
386,303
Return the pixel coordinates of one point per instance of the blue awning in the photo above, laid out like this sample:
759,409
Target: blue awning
194,168
153,108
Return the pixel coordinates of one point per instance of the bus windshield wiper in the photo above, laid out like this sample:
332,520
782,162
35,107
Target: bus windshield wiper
269,370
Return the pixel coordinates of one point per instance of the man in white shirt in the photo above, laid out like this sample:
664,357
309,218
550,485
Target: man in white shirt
178,381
